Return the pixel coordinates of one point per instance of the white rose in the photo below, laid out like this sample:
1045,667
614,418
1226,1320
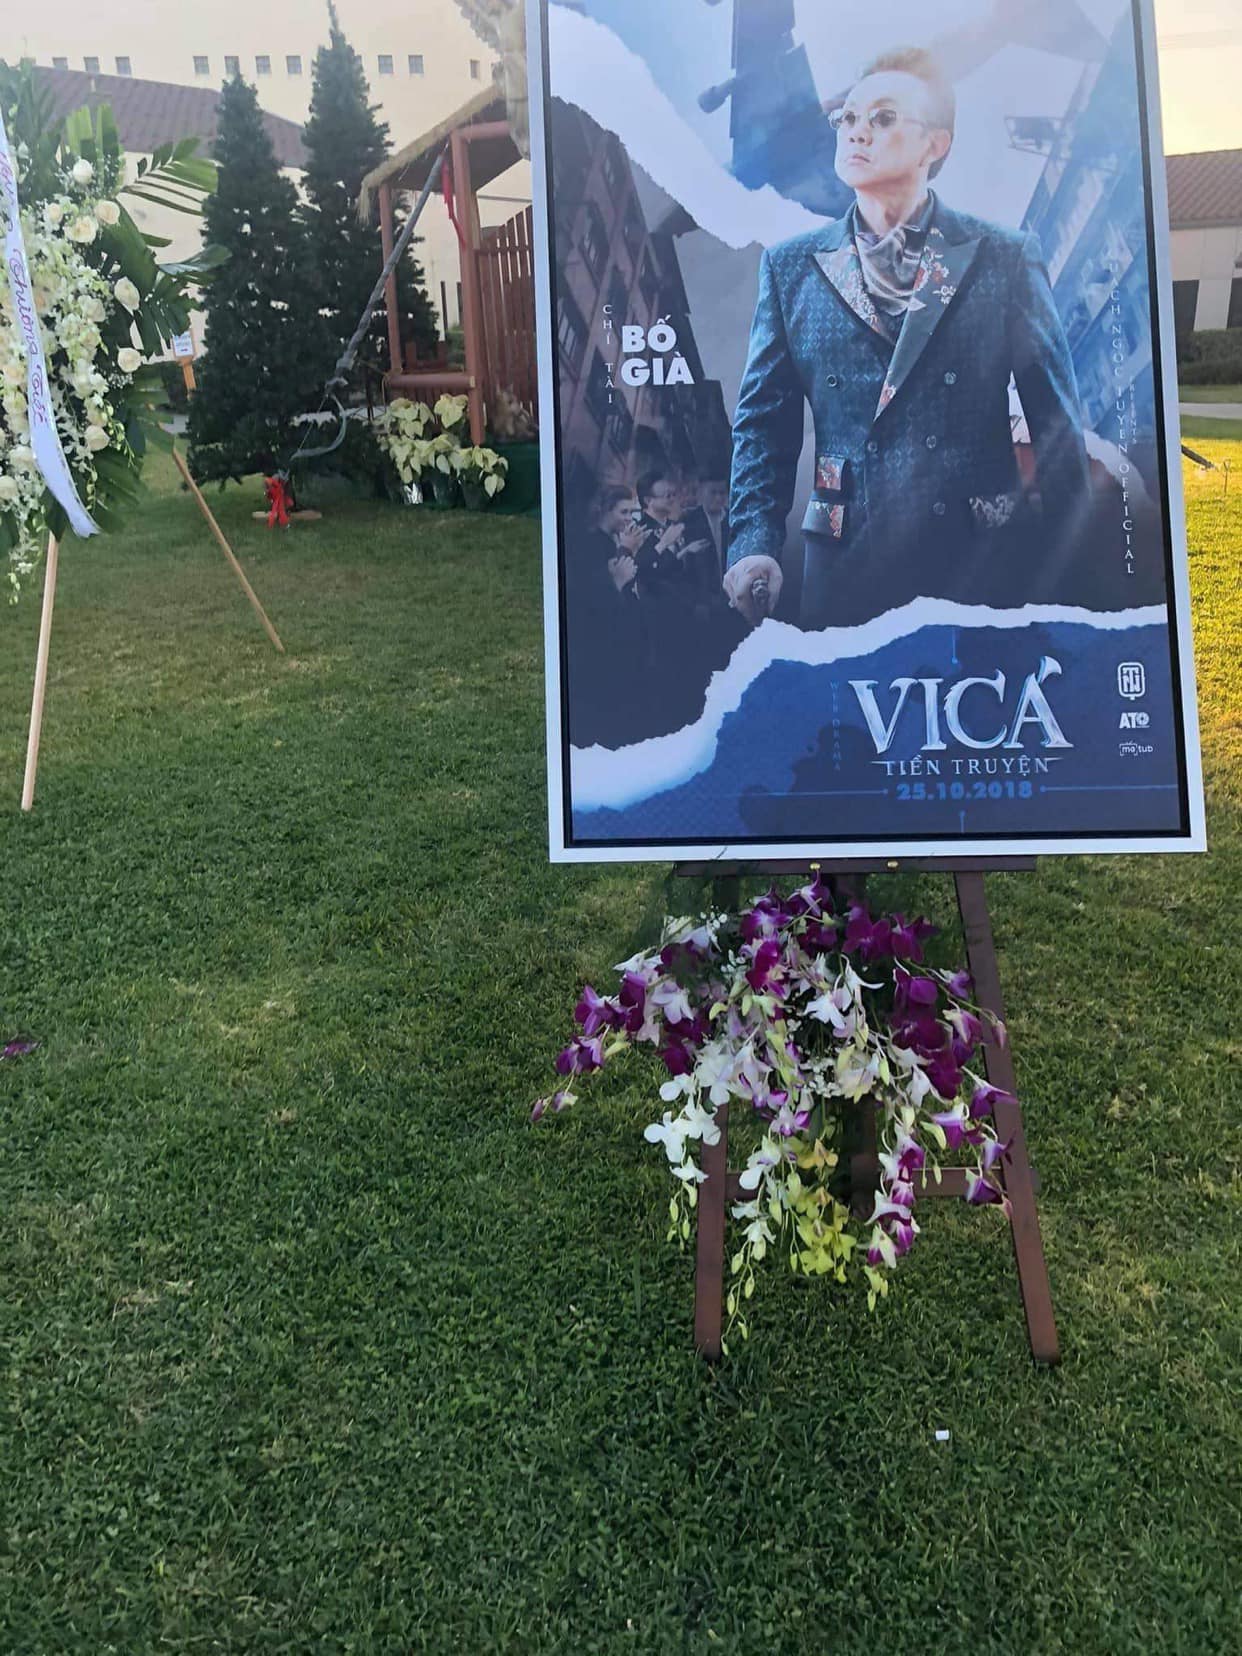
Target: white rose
127,294
83,172
82,230
14,373
93,308
8,488
96,438
128,360
107,212
53,213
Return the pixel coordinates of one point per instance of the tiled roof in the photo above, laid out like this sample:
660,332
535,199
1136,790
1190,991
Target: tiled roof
149,113
1205,189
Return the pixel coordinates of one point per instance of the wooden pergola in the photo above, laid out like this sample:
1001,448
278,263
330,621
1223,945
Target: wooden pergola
497,291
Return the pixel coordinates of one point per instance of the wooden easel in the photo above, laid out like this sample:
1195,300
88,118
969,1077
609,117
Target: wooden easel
721,1186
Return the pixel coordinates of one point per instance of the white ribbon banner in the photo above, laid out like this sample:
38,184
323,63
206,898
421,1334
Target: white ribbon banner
44,437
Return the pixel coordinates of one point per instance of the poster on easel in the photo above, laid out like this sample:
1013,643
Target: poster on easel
863,527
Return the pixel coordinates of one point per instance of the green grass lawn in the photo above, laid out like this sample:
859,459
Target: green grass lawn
310,1343
1207,425
1211,393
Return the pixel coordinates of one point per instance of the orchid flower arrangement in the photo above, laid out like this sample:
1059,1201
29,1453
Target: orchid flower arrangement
802,1017
105,307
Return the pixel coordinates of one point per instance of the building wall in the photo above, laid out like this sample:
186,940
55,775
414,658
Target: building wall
162,41
1213,258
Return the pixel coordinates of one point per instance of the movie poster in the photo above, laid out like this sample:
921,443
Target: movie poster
860,430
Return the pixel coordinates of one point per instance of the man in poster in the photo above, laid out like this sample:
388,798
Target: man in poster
901,325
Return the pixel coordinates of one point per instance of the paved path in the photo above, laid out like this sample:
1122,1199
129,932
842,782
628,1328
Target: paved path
1212,411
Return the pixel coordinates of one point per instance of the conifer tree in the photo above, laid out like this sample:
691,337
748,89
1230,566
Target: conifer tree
344,141
264,340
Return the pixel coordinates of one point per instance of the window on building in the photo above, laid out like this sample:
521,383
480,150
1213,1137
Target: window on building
385,63
263,64
649,280
91,65
617,296
613,175
474,68
415,63
620,426
293,64
124,66
232,66
1235,304
1185,303
571,332
633,229
60,63
202,65
594,241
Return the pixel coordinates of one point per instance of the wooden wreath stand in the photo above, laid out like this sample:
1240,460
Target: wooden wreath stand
721,1186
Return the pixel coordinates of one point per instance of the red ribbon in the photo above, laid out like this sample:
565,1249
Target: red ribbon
279,501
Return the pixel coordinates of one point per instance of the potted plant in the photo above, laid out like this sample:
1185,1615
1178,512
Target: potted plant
481,473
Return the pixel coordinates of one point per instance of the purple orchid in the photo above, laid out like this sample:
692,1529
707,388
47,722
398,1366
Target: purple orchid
556,1102
955,1125
986,1098
980,1193
765,961
994,1151
908,937
594,1013
581,1056
960,985
967,1028
921,992
872,939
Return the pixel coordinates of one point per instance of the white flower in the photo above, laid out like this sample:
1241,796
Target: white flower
82,230
92,308
15,373
700,1124
128,360
83,172
53,213
716,1070
96,438
21,454
107,212
8,488
671,1134
127,294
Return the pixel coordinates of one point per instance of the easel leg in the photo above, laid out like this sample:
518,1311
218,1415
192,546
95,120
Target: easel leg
40,682
710,1243
1027,1243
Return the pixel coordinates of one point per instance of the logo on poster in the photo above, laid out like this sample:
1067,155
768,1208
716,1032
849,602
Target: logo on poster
1131,680
1032,708
639,368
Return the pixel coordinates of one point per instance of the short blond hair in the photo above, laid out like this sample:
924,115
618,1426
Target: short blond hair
924,66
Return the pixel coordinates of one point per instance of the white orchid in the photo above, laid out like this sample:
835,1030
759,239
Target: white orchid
95,438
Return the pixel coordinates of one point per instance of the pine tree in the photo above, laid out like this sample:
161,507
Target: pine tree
264,338
344,141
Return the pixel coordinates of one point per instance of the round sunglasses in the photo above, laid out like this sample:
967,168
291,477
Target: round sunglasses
879,120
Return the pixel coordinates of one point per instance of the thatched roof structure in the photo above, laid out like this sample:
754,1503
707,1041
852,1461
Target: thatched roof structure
409,167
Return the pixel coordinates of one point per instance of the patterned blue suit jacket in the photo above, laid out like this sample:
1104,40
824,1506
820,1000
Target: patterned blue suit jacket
917,489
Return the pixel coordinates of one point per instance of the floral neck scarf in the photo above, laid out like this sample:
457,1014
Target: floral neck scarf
890,263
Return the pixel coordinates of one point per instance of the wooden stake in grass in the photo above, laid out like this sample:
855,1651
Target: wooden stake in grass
40,683
228,552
